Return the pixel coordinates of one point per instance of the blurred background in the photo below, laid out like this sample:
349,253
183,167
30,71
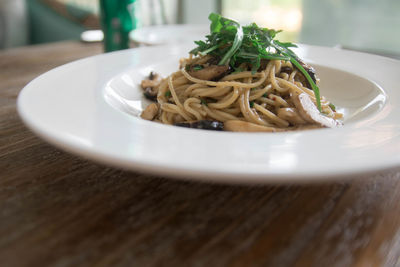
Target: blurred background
365,25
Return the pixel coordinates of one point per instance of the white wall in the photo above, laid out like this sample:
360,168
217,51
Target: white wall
197,11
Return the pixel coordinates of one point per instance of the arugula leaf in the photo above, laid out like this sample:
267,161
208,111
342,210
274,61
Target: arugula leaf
225,26
311,82
197,67
233,45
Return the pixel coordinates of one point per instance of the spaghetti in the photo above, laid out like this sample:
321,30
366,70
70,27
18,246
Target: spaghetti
277,96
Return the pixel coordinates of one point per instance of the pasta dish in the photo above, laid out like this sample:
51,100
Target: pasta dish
240,79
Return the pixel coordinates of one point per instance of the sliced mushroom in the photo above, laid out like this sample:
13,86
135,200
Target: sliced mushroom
203,124
209,73
150,112
153,81
310,70
244,126
310,113
151,93
291,115
150,86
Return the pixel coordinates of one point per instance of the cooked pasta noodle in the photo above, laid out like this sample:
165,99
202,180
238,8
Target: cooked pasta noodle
245,96
271,91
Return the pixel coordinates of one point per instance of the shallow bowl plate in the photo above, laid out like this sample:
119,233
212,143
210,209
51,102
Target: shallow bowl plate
91,108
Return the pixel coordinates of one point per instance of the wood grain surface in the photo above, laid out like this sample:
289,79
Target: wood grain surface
59,210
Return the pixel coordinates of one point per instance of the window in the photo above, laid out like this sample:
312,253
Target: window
370,25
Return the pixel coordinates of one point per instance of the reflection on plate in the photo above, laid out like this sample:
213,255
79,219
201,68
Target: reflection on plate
91,107
169,34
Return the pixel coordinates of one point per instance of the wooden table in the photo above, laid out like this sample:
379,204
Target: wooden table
59,210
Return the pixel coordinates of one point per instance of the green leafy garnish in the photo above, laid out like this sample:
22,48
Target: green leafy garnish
233,45
198,67
204,102
168,93
251,104
332,106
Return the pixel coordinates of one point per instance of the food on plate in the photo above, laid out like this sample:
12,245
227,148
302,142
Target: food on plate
240,79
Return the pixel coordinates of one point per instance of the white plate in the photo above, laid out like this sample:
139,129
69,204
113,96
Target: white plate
169,34
90,107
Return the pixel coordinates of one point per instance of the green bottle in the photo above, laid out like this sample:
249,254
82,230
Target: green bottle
117,20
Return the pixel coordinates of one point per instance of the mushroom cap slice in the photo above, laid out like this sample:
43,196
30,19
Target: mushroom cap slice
209,73
150,86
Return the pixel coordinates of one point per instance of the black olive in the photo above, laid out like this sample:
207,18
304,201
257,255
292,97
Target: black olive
202,124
